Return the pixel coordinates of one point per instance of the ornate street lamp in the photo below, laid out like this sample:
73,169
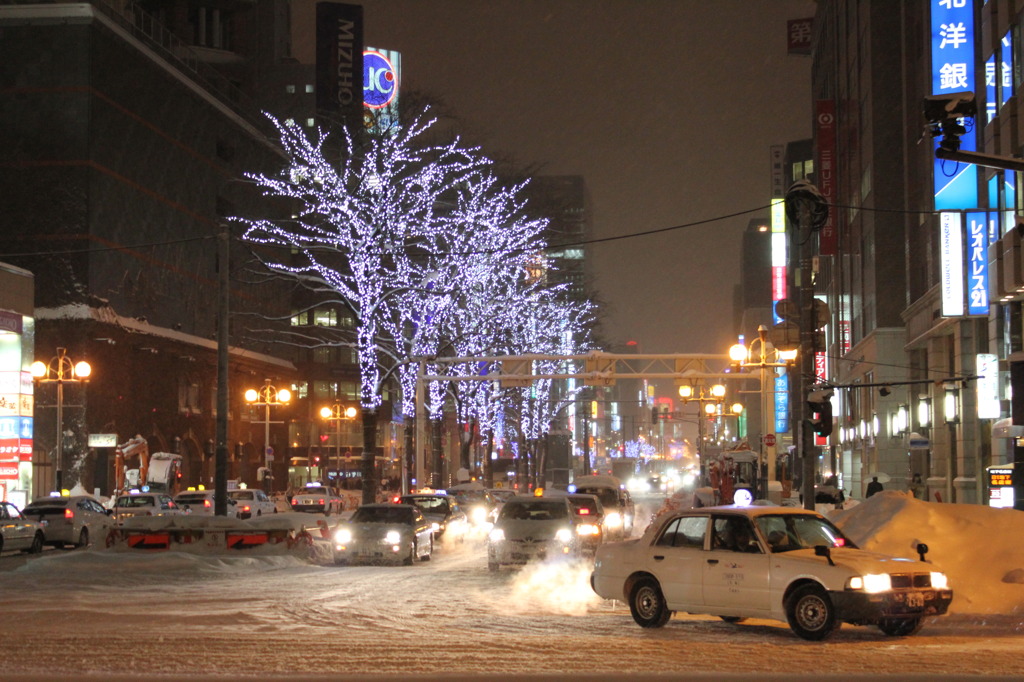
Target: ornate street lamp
763,355
267,396
338,413
60,370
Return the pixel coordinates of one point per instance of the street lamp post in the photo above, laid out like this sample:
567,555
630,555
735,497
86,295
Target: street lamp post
708,405
60,370
267,396
337,413
767,356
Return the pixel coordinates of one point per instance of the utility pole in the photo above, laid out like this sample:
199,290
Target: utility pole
220,471
808,212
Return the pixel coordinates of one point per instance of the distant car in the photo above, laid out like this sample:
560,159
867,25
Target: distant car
478,505
204,503
75,520
783,563
383,533
617,502
252,502
18,532
317,498
128,505
590,512
534,528
442,511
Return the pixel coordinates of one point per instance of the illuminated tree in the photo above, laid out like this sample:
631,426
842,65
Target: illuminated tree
421,242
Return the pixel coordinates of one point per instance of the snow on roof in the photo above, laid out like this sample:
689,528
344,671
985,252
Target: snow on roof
107,315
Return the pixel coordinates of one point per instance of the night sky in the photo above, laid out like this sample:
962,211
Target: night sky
667,108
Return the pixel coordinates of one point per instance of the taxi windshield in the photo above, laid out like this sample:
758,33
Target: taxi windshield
788,532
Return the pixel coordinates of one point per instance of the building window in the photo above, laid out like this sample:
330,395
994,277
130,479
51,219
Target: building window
301,389
289,89
325,317
309,88
188,397
310,122
323,355
300,319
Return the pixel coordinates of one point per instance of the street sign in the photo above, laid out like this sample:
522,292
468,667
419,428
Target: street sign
102,440
787,309
769,439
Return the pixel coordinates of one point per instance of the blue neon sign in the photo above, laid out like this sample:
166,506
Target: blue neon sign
782,403
952,27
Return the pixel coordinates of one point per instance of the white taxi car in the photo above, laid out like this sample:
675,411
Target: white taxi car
781,563
317,498
252,502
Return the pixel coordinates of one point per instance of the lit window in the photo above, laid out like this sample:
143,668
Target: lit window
310,122
325,317
290,89
309,88
300,319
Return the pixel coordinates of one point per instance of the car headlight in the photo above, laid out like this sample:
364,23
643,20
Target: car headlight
435,527
587,529
343,536
613,519
479,515
871,583
496,535
393,537
939,581
563,535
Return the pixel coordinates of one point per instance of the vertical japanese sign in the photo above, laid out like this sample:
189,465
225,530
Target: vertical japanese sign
780,254
952,42
798,35
951,250
825,122
977,263
987,366
820,377
782,403
339,58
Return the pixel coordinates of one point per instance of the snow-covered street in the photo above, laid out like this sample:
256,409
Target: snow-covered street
172,613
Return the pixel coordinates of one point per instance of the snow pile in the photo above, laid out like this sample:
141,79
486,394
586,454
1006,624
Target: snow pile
978,547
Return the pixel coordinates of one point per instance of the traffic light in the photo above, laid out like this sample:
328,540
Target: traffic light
820,404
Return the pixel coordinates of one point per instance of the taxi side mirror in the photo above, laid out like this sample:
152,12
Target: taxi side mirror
823,550
922,549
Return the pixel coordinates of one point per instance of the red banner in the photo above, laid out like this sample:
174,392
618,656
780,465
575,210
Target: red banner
825,129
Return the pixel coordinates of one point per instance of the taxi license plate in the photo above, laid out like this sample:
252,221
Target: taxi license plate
915,600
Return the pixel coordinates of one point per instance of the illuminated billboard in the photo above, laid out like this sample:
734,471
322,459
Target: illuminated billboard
382,77
952,43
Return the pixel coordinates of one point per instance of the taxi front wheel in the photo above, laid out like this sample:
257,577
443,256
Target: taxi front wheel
647,604
811,614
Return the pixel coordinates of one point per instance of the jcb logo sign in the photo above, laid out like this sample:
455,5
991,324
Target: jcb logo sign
380,83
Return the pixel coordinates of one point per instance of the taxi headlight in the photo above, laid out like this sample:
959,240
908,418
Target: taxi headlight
393,537
871,583
587,529
939,581
496,535
434,527
563,535
343,536
613,519
478,515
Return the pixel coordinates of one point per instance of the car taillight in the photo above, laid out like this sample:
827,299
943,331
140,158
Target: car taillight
584,512
246,509
321,501
206,504
69,514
